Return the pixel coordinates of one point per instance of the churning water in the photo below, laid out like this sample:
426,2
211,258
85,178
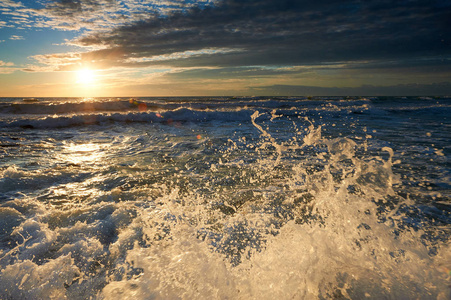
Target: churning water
215,198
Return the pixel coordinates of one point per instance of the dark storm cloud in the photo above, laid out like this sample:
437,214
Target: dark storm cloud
283,32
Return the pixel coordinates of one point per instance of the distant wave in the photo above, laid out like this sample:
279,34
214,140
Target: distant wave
59,114
125,105
179,115
67,108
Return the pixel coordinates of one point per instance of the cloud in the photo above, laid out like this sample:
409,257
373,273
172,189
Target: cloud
90,15
437,89
16,37
7,64
286,32
16,15
261,32
7,70
5,67
175,56
281,42
10,4
68,61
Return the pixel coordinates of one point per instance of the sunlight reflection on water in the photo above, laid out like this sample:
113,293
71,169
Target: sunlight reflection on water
82,153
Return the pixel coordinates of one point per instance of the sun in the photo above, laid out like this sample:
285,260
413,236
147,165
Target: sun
86,76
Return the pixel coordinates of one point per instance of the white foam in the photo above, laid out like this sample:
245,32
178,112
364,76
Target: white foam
27,280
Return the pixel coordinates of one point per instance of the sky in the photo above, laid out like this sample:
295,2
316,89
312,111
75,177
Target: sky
125,48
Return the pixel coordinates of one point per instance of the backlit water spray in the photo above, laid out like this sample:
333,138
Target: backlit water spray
273,206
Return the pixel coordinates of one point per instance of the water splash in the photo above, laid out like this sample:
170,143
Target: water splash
257,216
323,231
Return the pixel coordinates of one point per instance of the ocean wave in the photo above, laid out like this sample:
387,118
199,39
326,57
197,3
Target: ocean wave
46,108
81,114
179,115
51,107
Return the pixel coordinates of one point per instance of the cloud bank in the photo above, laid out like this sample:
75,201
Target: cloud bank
251,39
283,32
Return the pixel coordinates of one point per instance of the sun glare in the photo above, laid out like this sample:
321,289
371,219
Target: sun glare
82,153
85,76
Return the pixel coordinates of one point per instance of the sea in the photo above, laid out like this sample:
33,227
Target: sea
225,198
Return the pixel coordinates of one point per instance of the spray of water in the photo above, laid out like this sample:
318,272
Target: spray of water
303,217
